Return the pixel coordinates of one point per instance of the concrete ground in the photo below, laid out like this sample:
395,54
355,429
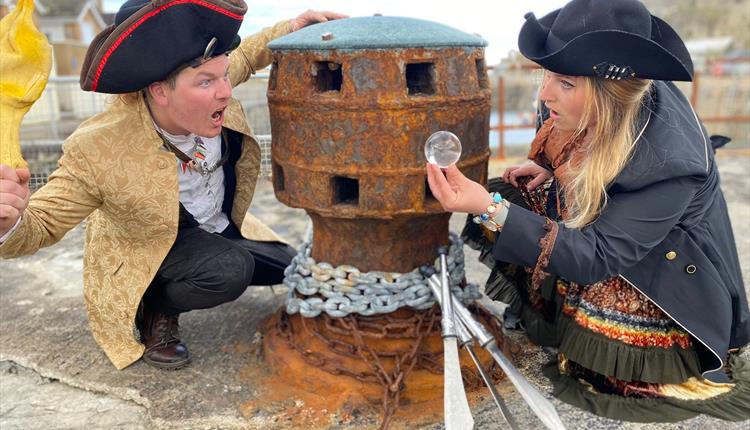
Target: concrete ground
53,375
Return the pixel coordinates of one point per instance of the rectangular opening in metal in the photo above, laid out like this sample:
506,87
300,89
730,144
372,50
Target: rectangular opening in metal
345,191
327,76
272,76
428,197
482,74
420,78
278,177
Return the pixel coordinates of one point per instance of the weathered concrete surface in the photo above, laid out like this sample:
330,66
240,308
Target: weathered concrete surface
53,375
31,401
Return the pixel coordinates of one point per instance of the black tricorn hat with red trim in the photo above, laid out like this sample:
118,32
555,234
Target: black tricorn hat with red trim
152,38
614,39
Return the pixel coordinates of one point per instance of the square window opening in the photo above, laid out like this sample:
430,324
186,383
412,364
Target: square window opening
328,76
345,191
482,74
272,77
420,78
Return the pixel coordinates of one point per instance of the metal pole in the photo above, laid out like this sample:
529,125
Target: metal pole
501,116
467,343
542,407
694,92
455,405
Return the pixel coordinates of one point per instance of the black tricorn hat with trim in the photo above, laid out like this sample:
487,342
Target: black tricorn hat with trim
151,38
615,39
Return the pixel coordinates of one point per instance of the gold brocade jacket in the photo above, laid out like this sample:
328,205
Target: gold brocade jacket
115,171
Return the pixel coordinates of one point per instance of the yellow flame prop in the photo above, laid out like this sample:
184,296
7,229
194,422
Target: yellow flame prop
25,62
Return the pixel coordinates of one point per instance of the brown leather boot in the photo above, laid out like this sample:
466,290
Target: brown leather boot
160,334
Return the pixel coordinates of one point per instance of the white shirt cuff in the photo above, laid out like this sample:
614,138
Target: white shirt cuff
5,237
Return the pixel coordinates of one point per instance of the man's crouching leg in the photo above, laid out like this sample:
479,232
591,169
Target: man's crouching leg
202,270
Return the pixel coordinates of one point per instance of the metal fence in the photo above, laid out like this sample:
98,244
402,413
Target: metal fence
63,106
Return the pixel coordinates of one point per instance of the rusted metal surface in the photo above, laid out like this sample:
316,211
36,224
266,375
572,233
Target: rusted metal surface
401,241
350,113
393,361
348,131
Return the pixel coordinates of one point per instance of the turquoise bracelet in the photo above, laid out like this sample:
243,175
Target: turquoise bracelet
487,218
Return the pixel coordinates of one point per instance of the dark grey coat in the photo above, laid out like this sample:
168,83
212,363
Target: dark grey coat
667,198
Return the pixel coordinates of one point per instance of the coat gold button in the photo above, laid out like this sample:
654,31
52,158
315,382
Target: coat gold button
690,269
671,255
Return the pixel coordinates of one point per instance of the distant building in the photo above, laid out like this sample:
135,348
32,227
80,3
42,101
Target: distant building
70,26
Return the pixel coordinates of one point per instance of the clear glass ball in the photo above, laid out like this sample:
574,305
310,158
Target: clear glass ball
442,148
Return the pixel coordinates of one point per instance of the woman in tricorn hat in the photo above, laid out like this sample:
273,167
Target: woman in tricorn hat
617,247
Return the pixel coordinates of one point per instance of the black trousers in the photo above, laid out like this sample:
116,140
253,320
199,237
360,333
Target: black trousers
203,270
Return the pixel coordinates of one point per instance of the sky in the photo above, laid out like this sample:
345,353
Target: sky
497,21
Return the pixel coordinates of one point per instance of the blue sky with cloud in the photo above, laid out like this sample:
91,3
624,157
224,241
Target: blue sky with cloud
497,21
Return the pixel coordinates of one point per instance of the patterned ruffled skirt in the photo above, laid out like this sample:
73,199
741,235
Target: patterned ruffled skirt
619,355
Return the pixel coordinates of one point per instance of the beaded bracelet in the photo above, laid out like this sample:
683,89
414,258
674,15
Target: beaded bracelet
487,219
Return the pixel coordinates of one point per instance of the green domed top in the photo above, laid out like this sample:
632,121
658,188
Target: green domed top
376,32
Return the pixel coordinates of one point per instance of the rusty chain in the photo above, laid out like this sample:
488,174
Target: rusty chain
420,325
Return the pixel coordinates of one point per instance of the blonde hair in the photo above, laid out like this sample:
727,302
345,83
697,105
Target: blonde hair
610,119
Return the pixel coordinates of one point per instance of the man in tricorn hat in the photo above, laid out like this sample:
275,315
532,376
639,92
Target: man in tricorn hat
165,176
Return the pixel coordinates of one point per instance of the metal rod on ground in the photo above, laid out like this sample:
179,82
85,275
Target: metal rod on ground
504,411
542,407
466,342
455,406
